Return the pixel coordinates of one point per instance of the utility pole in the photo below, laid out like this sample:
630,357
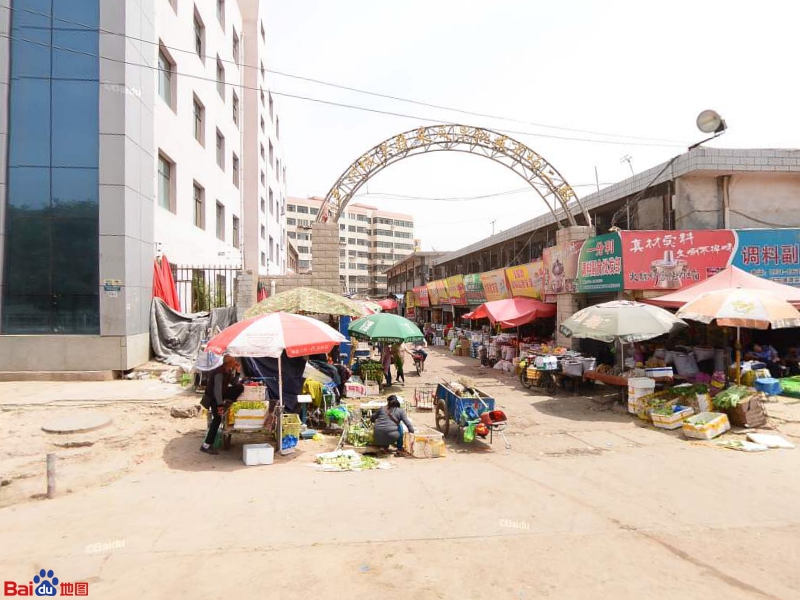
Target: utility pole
493,222
627,158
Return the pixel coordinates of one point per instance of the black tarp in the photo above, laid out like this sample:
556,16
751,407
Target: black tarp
266,370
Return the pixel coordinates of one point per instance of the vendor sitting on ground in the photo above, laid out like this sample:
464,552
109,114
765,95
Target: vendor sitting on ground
222,390
387,429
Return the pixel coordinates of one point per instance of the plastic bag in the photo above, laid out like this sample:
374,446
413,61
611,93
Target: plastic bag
469,433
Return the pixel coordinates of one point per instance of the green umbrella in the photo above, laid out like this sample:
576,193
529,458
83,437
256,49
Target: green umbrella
306,301
621,320
385,327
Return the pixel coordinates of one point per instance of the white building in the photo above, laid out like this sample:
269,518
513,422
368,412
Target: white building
370,240
141,143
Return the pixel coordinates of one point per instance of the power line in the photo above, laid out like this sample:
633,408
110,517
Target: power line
389,196
362,91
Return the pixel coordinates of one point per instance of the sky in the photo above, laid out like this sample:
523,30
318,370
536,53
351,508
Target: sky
572,68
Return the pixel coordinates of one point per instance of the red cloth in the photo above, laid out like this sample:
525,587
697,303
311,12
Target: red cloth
164,284
514,311
731,277
388,304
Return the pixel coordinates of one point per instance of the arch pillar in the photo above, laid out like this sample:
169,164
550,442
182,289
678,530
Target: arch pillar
569,304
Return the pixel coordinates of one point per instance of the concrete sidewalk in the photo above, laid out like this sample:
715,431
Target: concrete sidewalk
18,393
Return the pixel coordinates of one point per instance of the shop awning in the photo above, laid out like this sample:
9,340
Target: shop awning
514,311
731,277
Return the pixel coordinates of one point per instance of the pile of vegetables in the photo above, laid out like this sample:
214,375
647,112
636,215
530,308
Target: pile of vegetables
371,370
359,436
248,405
732,397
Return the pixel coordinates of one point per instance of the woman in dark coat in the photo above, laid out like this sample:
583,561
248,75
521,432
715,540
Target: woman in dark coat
387,430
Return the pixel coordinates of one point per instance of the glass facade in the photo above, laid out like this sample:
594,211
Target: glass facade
51,270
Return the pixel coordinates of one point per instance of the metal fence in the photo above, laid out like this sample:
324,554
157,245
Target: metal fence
203,287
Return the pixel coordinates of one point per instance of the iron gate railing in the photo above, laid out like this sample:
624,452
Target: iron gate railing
203,287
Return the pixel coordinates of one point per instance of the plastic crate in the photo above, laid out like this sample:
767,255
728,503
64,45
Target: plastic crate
290,424
425,442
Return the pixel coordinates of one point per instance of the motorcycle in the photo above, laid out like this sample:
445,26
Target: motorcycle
419,362
545,381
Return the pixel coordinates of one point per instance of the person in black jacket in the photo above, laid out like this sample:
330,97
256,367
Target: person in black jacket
222,389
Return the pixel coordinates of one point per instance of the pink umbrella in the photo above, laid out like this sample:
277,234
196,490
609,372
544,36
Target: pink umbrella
273,334
514,311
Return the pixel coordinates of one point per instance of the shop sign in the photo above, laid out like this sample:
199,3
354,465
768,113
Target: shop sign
473,286
456,290
561,268
433,293
770,253
600,264
670,260
441,288
410,303
495,285
527,280
411,312
421,296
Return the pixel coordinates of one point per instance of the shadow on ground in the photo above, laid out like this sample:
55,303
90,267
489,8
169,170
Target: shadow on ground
182,453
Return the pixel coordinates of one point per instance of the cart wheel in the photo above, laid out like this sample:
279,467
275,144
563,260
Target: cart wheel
552,385
523,379
226,441
442,418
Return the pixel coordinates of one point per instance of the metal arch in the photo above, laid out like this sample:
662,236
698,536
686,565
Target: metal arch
525,162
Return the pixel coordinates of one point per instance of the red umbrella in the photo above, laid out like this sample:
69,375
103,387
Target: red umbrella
514,311
387,304
164,284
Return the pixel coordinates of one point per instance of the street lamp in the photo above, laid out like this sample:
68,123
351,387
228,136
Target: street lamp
709,121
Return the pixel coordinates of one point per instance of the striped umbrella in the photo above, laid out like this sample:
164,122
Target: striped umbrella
272,335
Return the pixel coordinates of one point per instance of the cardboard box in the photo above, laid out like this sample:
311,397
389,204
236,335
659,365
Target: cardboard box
258,454
706,426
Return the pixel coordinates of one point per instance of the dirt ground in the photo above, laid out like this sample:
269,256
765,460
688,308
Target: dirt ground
587,503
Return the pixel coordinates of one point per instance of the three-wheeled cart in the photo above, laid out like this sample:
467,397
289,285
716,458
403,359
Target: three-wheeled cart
461,411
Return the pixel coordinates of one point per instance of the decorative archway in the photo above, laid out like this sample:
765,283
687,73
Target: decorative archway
525,162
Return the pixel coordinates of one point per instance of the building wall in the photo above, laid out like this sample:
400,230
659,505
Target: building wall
195,162
264,174
370,240
755,200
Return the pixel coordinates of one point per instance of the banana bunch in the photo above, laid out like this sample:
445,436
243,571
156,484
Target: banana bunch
248,405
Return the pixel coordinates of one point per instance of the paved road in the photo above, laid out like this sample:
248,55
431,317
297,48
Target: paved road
586,504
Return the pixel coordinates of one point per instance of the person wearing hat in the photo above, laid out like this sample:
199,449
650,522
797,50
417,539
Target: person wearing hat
387,428
222,389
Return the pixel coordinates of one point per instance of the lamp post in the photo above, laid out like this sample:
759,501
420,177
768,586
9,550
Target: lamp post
709,121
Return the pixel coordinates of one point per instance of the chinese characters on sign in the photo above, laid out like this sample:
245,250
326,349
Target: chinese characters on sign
668,260
600,264
456,291
495,285
526,280
473,287
773,254
561,268
421,296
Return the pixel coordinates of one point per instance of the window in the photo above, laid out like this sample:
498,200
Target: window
235,47
314,211
220,78
263,32
278,129
199,36
263,259
284,179
235,165
263,152
221,12
291,221
271,203
291,207
262,98
220,221
351,228
271,109
351,241
235,105
303,249
235,231
165,183
292,235
220,150
263,178
302,210
271,155
199,206
199,120
263,205
342,265
263,71
263,232
263,125
271,250
166,68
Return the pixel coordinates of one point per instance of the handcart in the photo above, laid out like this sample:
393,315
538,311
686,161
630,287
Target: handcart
236,420
468,411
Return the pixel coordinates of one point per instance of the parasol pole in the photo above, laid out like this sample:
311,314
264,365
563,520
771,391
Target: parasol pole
738,356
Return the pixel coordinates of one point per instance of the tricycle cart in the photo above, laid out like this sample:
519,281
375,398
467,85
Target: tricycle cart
464,411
